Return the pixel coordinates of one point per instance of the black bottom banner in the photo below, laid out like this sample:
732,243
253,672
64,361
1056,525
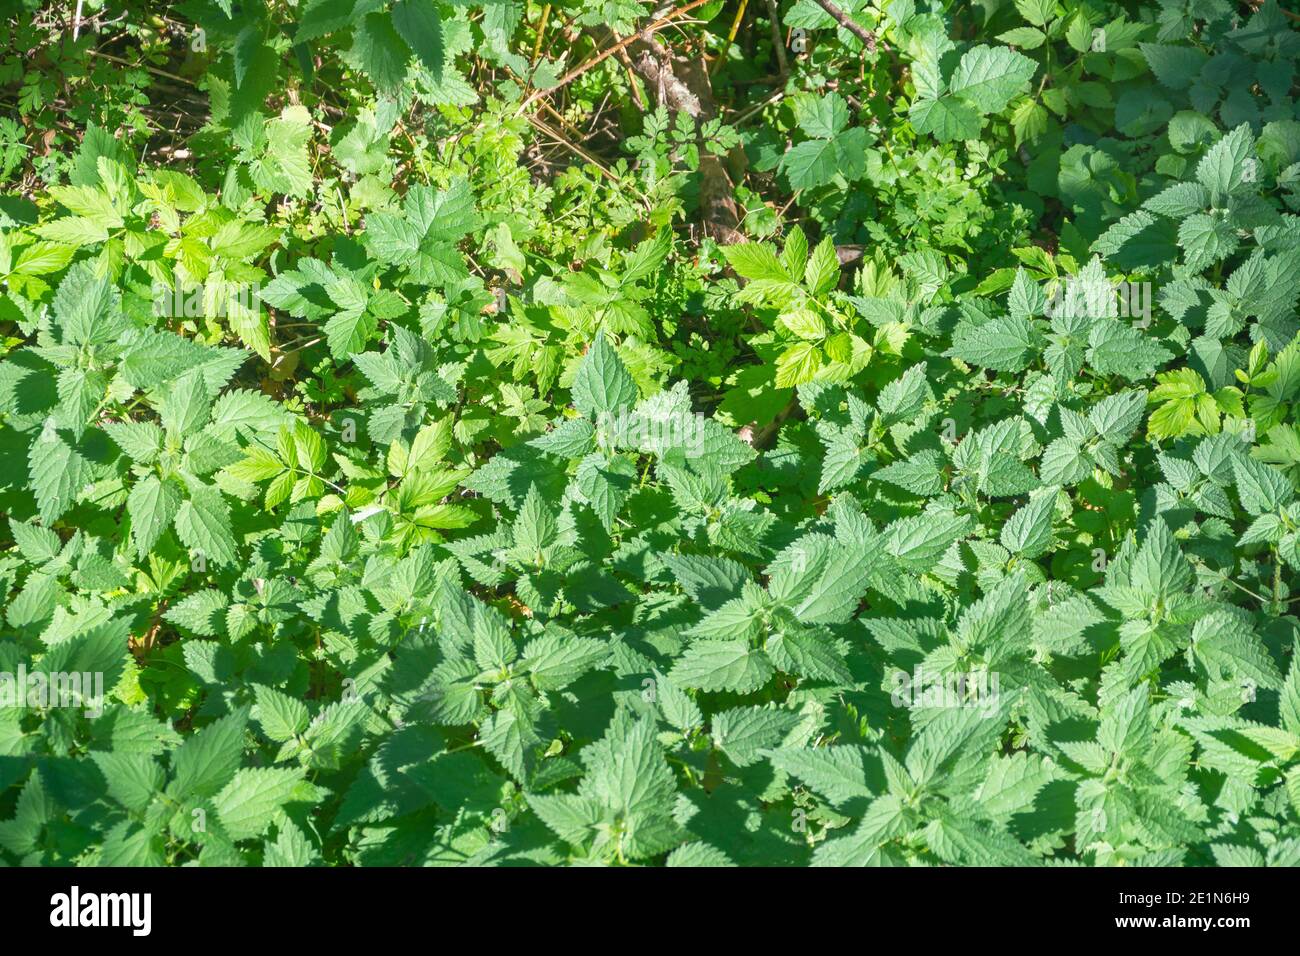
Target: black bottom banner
341,905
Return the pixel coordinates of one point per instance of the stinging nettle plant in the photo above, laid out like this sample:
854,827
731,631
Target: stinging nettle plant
465,438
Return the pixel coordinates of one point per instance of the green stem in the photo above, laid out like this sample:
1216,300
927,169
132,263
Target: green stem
1277,583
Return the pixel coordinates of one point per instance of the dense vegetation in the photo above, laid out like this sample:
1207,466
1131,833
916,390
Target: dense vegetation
736,432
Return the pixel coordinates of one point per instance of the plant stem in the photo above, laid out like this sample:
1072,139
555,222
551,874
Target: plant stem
1277,583
731,38
541,32
843,19
599,58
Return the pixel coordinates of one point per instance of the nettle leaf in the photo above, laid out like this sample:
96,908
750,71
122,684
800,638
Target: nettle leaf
203,524
1174,66
1007,344
904,397
745,732
1260,487
247,804
59,469
152,505
280,716
202,612
1028,532
208,760
839,773
603,385
141,441
1227,644
1116,348
379,51
419,25
922,474
1206,239
722,665
1225,167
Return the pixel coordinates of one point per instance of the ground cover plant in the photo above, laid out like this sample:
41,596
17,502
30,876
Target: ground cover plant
719,433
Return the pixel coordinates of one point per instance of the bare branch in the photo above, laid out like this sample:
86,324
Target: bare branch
604,55
862,33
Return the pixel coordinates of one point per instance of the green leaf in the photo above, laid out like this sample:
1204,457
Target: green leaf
946,118
379,51
1115,348
823,269
798,364
988,77
207,761
1028,532
1227,644
58,473
203,525
320,17
348,332
280,716
603,385
722,665
743,733
1225,167
837,773
1206,239
1261,488
141,441
756,260
151,505
246,806
419,25
1006,344
921,474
